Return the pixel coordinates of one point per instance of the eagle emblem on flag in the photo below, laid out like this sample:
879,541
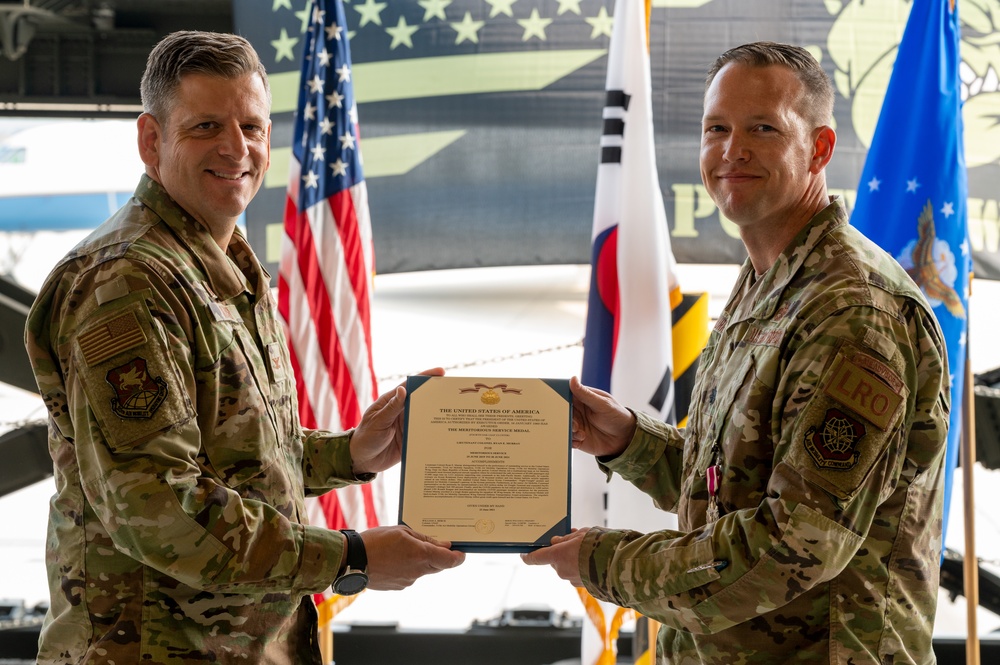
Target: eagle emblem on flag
931,264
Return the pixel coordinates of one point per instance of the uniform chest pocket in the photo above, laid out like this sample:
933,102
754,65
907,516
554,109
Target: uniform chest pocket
750,402
238,427
717,408
745,434
738,434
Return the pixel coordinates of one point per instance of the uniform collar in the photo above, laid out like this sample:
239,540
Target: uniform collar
770,286
225,279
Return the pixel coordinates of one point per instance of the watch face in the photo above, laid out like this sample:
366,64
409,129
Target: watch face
350,583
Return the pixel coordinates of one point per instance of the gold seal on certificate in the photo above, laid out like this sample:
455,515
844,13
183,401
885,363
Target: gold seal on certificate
486,462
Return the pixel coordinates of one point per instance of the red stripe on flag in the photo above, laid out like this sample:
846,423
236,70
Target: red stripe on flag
321,313
332,511
371,512
283,286
342,209
307,417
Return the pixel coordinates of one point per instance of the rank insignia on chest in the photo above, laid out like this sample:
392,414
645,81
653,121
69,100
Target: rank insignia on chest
137,394
833,444
277,366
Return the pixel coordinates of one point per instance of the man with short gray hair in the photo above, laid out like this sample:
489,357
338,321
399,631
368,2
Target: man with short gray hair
178,532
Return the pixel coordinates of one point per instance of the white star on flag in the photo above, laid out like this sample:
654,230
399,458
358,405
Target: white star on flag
334,99
601,24
467,29
534,26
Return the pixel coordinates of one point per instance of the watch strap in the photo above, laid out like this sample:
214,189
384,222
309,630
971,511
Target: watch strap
357,558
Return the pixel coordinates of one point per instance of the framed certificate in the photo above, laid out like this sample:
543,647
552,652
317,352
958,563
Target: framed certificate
486,461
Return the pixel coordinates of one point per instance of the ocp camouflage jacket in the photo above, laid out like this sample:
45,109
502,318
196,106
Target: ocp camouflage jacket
178,531
822,402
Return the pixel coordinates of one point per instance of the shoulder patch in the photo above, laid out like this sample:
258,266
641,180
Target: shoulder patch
130,380
138,395
861,392
833,444
111,338
880,370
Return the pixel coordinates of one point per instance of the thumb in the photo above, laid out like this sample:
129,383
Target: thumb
388,405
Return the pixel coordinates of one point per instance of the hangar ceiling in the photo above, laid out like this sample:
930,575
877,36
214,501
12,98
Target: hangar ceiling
85,57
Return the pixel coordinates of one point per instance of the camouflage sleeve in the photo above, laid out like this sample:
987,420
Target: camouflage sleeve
876,383
326,462
179,453
652,461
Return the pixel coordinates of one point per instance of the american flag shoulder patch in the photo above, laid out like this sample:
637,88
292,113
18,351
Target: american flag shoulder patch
121,333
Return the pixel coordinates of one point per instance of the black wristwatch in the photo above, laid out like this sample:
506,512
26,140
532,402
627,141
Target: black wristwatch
354,579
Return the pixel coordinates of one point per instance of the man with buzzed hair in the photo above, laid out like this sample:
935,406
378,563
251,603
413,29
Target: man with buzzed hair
178,531
808,484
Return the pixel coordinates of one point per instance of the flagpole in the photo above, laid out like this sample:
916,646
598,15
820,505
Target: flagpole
648,5
325,624
644,624
970,561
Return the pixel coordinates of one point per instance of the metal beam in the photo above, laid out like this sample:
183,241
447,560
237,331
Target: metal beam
77,58
25,453
15,369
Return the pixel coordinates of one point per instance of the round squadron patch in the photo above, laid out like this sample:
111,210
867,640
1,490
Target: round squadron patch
137,394
833,444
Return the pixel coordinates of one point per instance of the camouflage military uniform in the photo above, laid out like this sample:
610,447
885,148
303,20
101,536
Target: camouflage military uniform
177,532
822,402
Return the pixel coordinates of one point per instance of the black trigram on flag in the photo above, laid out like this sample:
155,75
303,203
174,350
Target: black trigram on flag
614,126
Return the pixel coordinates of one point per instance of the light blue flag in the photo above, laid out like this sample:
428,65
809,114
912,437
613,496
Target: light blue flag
913,190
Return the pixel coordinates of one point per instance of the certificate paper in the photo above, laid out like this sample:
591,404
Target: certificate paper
486,462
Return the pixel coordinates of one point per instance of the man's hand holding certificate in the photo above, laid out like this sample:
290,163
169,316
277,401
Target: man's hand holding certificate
486,462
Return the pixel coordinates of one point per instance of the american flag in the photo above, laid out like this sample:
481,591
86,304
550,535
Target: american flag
327,258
